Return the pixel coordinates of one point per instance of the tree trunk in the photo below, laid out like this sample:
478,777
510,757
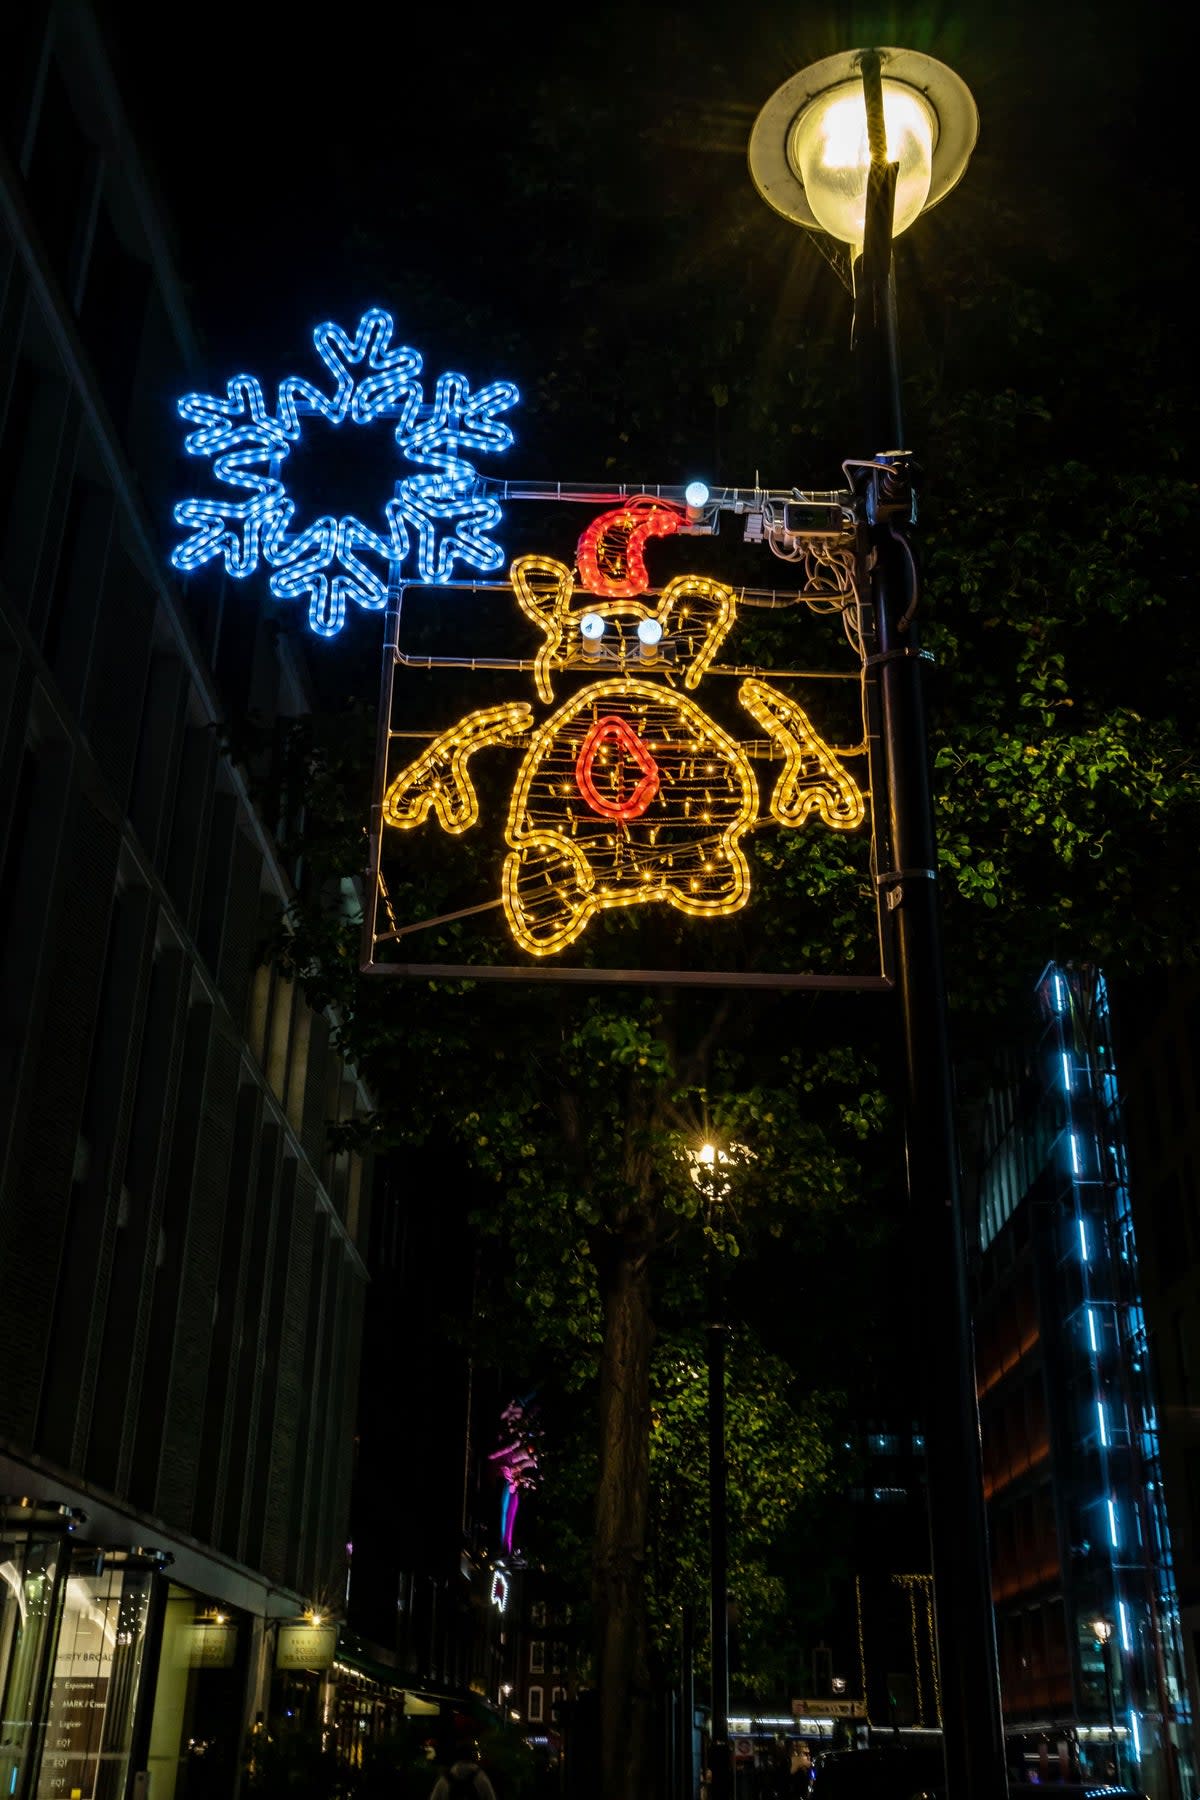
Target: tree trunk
626,1699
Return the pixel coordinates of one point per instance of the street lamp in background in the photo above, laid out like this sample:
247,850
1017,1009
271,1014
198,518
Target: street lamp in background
711,1170
1102,1632
858,146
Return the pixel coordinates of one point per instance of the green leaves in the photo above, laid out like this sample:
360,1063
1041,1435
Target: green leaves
779,1457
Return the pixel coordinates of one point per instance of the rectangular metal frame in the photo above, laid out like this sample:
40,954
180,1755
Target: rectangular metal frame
556,974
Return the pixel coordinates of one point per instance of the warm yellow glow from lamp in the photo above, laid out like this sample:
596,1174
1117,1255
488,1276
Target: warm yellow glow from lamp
809,156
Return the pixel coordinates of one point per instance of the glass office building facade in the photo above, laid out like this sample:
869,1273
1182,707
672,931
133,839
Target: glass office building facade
1087,1613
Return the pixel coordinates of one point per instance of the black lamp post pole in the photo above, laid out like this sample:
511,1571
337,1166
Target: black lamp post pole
974,1740
720,1761
686,1785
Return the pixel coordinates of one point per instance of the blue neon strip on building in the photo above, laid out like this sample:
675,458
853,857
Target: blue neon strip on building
1054,1152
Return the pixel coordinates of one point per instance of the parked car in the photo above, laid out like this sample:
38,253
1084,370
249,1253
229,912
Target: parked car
1071,1790
881,1772
917,1772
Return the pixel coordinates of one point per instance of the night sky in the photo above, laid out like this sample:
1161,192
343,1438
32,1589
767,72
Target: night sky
502,182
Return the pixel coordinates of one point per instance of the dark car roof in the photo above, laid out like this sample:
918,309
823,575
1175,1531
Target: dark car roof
1071,1790
900,1771
882,1772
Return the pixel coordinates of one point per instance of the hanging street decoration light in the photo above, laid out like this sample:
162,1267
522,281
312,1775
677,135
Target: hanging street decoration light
631,788
441,509
629,793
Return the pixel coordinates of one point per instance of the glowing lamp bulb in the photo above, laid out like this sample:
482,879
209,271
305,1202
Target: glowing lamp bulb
708,1155
696,493
591,627
649,632
829,151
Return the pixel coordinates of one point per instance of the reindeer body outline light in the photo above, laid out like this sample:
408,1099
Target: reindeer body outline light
628,793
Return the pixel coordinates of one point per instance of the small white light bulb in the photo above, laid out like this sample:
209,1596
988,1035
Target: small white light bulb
696,493
649,632
591,627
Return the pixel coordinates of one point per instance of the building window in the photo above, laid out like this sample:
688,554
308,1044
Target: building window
1183,1361
535,1705
537,1613
556,1694
537,1658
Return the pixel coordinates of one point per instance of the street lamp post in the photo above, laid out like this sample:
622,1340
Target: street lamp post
707,1170
1102,1632
858,146
720,1756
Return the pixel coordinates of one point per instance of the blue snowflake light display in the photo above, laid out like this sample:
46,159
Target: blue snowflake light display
442,507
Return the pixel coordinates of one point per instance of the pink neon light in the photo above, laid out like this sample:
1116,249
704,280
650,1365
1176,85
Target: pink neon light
516,1463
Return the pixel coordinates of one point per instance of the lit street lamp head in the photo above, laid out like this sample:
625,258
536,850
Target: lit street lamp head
711,1168
809,149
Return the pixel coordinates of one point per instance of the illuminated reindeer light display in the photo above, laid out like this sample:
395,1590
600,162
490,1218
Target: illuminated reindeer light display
628,794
